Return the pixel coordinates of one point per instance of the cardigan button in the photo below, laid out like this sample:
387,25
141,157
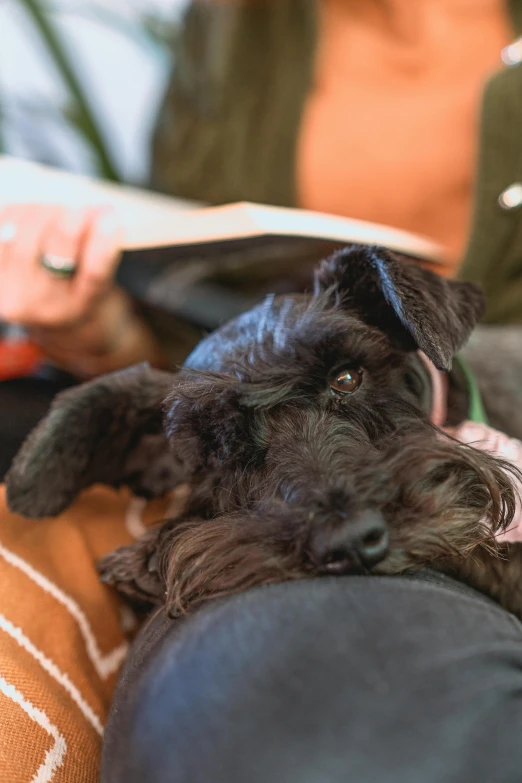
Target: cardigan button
511,197
512,54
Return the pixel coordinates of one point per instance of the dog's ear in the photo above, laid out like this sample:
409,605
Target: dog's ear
413,306
207,420
109,430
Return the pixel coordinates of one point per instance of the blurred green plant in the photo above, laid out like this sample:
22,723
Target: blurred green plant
85,117
78,109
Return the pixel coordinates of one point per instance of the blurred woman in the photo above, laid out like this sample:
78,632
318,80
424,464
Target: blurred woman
368,108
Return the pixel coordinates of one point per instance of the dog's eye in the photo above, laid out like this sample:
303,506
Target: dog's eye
346,381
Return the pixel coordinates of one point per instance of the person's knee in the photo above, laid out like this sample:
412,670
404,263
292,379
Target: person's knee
306,681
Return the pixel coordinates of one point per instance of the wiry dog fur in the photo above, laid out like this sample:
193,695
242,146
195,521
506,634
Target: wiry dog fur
290,477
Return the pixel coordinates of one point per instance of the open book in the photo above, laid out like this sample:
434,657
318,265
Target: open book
206,264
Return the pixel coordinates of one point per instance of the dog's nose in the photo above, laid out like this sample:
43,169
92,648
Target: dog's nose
354,546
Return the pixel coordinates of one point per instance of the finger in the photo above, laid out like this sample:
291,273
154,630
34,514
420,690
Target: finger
100,255
23,284
31,221
68,236
65,235
8,231
63,239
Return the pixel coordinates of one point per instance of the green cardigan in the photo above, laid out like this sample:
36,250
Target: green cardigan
228,127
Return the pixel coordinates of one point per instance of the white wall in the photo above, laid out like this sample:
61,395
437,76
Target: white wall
125,74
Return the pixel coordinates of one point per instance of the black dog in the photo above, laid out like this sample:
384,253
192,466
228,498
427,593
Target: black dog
303,430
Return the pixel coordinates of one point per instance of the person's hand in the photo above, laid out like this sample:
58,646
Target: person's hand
82,321
33,296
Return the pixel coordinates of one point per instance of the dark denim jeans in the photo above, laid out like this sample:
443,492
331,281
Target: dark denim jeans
363,679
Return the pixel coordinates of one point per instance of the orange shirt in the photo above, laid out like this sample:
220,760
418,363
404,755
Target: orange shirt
389,132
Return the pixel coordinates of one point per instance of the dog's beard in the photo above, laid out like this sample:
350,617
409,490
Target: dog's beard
454,500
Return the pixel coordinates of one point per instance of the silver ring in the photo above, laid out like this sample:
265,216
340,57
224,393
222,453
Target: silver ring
59,266
8,232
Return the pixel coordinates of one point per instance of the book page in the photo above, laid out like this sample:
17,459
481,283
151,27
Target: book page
151,220
145,217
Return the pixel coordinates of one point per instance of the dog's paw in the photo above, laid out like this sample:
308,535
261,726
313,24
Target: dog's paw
132,571
109,430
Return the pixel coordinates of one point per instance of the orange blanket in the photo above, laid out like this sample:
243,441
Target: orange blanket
63,636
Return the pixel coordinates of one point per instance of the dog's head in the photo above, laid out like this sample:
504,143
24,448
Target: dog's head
303,428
